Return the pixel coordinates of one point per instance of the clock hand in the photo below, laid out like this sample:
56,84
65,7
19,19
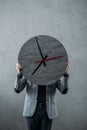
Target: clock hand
37,68
50,58
39,64
40,51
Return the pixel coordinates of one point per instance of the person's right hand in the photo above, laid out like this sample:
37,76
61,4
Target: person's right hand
18,68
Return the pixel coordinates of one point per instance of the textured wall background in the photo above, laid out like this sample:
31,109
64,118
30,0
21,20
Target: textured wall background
65,20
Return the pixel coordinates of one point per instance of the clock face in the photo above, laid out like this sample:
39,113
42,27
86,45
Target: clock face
43,60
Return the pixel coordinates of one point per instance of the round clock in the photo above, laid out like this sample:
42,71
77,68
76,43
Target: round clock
43,60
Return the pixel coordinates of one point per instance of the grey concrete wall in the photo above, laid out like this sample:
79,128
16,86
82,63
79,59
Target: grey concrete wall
65,20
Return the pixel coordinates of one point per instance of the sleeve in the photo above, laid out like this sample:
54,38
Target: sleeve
62,84
20,83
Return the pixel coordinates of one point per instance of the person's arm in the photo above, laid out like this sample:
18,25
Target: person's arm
63,86
20,83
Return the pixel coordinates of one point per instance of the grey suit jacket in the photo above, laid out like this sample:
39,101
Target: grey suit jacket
32,92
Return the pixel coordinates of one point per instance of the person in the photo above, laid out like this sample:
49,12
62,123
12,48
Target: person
40,107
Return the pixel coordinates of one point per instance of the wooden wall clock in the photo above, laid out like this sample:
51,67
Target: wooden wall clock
43,59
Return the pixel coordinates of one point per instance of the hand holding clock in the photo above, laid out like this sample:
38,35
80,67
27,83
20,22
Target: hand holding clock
19,68
67,68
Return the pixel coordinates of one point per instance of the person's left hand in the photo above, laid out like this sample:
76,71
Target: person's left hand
67,68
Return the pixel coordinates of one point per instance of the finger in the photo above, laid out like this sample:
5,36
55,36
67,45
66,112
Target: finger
68,62
19,69
18,66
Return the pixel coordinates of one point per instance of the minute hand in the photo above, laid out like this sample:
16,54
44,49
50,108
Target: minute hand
50,58
40,51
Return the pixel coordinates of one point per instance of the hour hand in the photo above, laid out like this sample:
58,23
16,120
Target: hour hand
40,51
